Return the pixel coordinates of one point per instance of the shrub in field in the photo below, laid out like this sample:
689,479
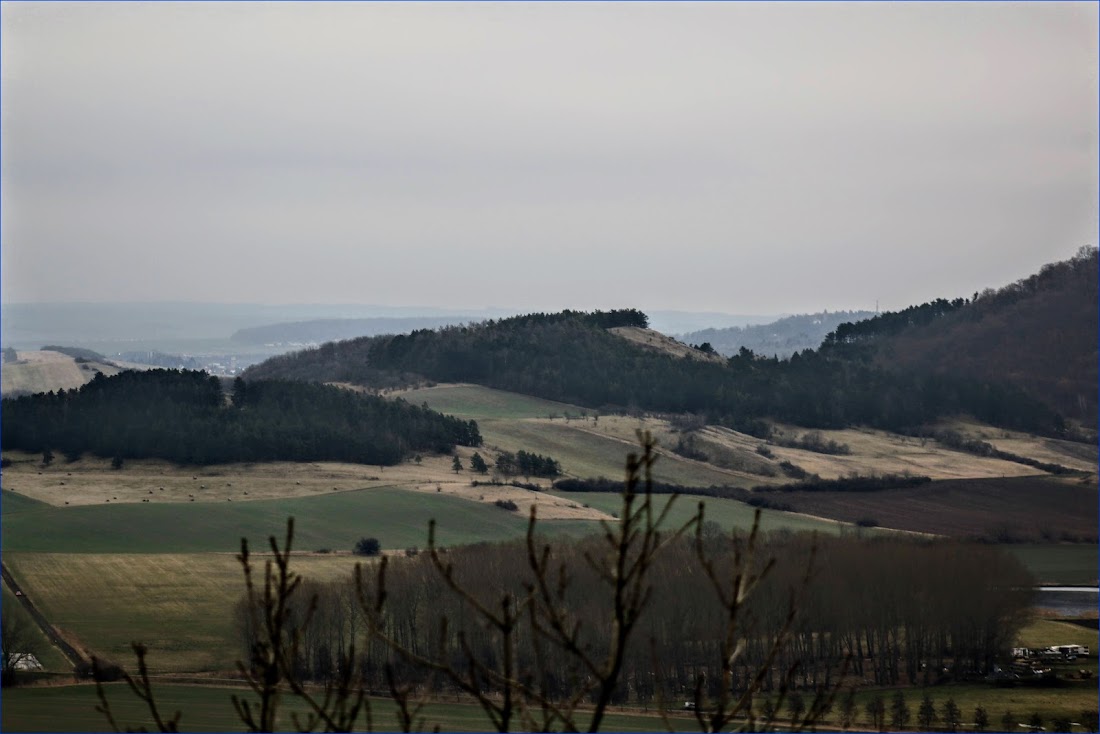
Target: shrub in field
368,547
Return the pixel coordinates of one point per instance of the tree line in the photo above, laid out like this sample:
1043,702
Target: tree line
183,416
895,612
528,464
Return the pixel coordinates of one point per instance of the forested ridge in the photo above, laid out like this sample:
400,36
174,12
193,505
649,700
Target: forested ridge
184,416
570,357
1037,334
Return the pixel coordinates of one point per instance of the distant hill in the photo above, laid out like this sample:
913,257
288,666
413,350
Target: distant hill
571,357
780,338
88,355
151,325
326,330
1038,334
154,358
680,322
317,331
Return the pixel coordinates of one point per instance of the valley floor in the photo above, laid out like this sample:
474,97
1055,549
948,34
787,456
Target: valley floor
147,551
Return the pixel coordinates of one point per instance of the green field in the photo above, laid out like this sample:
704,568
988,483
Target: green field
507,422
589,455
72,708
398,518
1064,563
1022,701
1050,632
15,504
180,605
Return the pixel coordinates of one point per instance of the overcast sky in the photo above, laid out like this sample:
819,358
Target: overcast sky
747,158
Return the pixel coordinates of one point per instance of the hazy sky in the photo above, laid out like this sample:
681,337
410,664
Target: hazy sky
748,158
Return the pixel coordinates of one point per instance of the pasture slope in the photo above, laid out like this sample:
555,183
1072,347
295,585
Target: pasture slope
43,371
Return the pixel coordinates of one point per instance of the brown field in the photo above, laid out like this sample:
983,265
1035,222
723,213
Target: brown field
624,429
514,421
872,452
91,481
45,371
1079,456
1026,507
878,452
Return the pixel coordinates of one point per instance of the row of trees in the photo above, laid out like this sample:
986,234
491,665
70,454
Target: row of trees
183,416
522,462
894,612
897,715
528,464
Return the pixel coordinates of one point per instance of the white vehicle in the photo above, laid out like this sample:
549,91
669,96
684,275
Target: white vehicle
1070,652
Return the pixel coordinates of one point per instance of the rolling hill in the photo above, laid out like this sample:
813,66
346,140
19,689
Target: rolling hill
1038,334
323,330
1025,355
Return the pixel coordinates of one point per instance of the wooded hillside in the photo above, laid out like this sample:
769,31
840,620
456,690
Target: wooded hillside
1038,334
184,416
570,357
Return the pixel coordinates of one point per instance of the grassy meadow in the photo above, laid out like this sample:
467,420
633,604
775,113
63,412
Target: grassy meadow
586,448
397,517
72,708
1059,563
1048,632
209,709
179,605
1068,701
585,452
